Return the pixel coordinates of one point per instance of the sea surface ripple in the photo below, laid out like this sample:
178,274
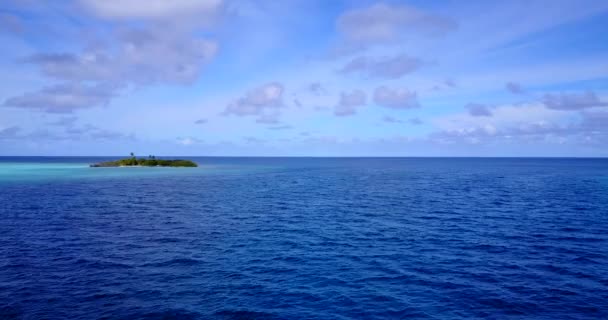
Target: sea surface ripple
307,238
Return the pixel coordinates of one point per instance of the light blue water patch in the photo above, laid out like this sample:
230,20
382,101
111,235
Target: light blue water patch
16,172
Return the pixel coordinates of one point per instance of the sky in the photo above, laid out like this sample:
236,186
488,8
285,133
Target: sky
304,78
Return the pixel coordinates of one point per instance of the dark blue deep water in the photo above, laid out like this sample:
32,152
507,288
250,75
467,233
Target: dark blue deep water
299,238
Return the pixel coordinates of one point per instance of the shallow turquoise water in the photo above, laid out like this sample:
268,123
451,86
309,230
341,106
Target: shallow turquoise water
33,170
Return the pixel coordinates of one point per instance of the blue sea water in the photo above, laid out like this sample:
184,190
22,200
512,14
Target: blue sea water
305,238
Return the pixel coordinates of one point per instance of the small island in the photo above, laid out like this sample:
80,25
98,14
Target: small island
151,161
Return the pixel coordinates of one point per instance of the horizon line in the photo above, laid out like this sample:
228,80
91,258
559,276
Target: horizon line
282,156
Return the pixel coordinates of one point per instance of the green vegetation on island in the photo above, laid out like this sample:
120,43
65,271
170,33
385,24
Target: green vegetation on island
151,161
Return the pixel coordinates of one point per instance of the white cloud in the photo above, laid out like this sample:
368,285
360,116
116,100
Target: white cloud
383,67
152,9
139,56
69,133
188,141
390,119
503,116
478,110
573,101
349,102
268,118
387,23
264,102
64,122
281,127
9,133
523,124
514,88
415,121
316,88
10,23
395,98
64,98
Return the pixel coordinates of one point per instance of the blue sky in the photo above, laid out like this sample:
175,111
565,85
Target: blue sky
304,78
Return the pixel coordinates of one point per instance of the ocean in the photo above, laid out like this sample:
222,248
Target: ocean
305,238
